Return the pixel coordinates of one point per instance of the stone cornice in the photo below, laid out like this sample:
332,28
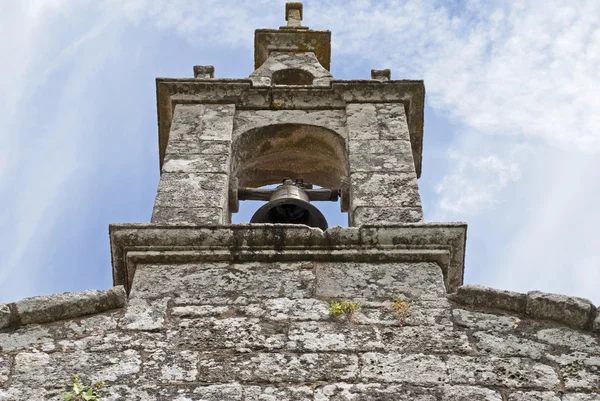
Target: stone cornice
240,92
132,244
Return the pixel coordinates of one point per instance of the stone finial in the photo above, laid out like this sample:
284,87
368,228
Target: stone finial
293,14
204,71
381,75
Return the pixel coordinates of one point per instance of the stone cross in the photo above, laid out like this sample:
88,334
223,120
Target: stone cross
293,14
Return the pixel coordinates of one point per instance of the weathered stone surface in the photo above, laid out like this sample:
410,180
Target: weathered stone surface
579,371
509,345
394,189
385,215
69,304
196,163
394,367
573,311
372,392
428,339
325,336
195,190
492,298
221,283
142,314
277,367
190,215
574,340
379,281
4,370
581,397
4,316
484,321
362,122
508,372
460,393
38,369
596,323
534,396
284,393
169,366
379,147
238,333
360,162
32,337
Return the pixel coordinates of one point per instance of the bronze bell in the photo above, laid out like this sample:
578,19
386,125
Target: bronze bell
289,204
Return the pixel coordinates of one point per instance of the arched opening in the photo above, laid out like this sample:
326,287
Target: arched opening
292,76
266,155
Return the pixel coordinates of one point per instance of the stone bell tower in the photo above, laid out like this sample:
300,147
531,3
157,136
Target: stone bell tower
220,140
290,118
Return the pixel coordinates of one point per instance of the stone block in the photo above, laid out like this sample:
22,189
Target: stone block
196,163
333,337
49,308
171,366
484,321
193,146
5,365
384,190
571,339
572,311
239,333
596,323
37,369
192,190
373,392
509,345
480,296
186,123
283,393
393,367
580,371
534,396
5,316
362,215
188,215
277,367
362,122
380,147
379,281
217,122
505,372
144,314
360,162
461,393
223,283
391,122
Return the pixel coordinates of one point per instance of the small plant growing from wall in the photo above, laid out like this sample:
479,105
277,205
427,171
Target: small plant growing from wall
81,392
401,309
345,307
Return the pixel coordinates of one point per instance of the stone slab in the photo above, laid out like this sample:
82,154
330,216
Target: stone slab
478,295
573,311
382,281
49,308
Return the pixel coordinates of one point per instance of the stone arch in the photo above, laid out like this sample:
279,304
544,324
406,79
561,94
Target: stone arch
267,154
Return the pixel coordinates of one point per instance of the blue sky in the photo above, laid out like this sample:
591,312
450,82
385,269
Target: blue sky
511,142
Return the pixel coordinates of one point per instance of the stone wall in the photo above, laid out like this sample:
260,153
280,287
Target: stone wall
263,331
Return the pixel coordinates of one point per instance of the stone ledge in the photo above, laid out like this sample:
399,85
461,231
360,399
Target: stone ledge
49,308
578,313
